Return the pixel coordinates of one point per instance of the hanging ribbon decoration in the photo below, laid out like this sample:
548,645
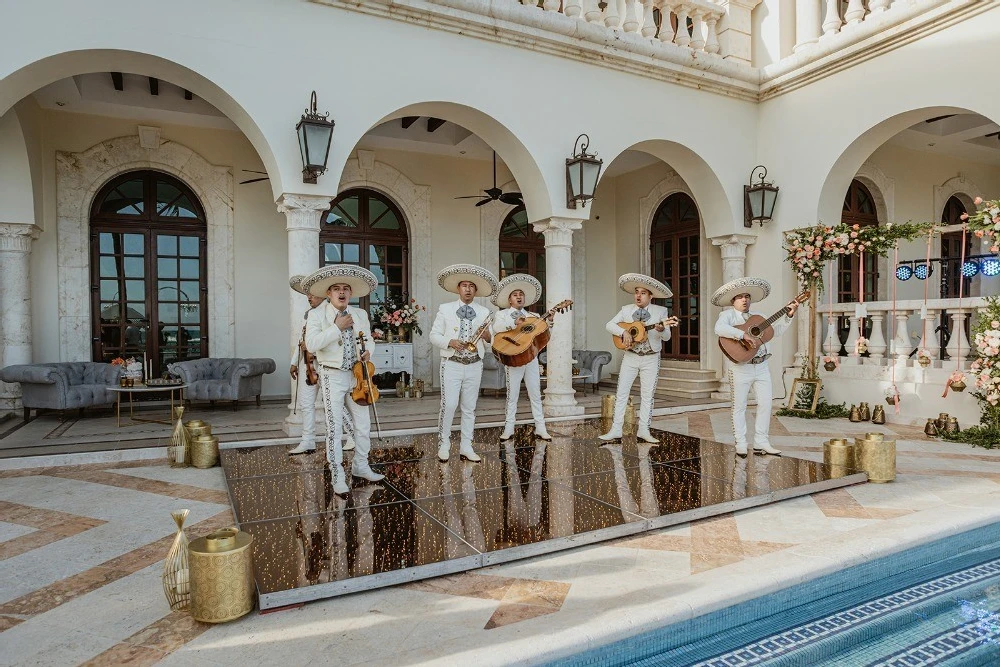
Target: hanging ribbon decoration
860,311
832,319
957,375
895,389
923,308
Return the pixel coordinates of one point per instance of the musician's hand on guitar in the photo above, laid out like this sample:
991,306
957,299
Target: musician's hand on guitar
520,321
748,343
627,339
659,327
294,372
455,344
791,308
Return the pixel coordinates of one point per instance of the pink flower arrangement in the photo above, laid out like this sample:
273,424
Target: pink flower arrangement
986,344
398,311
985,222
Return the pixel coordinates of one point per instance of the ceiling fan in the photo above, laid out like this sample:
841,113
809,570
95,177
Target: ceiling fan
254,180
495,193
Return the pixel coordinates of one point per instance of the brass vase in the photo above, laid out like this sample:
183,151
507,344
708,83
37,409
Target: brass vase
878,415
838,453
864,412
830,366
958,386
205,451
941,422
952,425
924,361
876,456
222,585
855,414
930,428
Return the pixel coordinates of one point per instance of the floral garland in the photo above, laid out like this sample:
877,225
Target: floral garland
986,367
808,249
985,222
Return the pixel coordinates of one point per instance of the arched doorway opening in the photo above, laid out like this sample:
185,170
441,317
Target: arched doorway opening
859,209
522,249
951,250
366,228
149,276
674,245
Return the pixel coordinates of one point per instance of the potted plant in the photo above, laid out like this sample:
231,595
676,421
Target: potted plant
957,381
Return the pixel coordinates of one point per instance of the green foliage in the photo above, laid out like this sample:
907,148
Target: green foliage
824,410
987,437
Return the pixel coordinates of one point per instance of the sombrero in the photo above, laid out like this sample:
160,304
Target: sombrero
295,282
518,281
451,276
630,281
362,281
757,288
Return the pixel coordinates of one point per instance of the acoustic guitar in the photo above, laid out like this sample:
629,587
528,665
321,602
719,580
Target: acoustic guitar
638,331
740,351
521,344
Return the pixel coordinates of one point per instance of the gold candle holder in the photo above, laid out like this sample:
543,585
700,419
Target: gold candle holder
607,406
839,454
205,451
876,456
176,575
222,587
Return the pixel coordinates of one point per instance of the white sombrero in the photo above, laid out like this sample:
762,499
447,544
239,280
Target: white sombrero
362,281
757,288
630,281
295,282
451,276
518,281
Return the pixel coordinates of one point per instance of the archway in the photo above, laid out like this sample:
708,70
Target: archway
675,259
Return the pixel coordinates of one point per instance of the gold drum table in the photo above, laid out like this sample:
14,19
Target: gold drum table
839,454
205,451
607,406
222,585
876,456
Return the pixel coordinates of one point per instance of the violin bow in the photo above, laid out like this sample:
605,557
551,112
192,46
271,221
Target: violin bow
368,379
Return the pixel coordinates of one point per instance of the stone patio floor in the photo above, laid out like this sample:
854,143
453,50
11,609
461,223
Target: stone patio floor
81,550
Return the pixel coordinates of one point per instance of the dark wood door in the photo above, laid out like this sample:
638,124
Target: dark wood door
675,250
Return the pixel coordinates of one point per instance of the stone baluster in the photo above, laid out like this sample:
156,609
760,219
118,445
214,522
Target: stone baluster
648,24
683,37
559,394
15,305
697,30
303,214
592,11
807,24
666,33
879,5
901,342
852,339
551,5
831,344
958,345
712,38
855,12
928,339
876,343
631,20
832,22
574,8
530,3
611,18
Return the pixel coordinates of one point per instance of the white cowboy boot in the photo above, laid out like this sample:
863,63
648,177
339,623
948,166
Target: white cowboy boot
741,450
507,434
644,435
349,445
360,468
444,451
339,479
767,449
542,434
302,448
613,434
467,454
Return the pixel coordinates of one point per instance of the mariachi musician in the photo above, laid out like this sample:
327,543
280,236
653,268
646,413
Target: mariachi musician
642,358
331,330
514,294
304,373
739,294
461,332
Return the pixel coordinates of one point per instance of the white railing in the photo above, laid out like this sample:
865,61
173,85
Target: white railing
895,334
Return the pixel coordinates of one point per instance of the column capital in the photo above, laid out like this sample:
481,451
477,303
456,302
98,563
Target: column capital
558,231
734,245
17,236
303,212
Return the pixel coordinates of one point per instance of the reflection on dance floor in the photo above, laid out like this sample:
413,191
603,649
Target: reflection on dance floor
527,497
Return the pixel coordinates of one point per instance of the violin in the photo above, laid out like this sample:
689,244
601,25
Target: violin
365,392
309,359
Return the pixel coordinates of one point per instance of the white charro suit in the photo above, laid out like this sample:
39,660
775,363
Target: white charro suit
744,376
306,395
327,342
459,382
505,321
643,360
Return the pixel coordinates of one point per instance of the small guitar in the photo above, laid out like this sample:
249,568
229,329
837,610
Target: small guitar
521,344
740,351
638,331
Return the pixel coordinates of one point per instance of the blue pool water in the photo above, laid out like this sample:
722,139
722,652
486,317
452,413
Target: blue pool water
938,604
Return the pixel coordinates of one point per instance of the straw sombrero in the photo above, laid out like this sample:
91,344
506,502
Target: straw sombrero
362,281
630,281
295,282
757,288
518,281
451,276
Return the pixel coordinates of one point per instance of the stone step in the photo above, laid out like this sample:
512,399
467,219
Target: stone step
685,380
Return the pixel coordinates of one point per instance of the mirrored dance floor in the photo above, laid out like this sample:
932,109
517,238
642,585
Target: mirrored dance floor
527,497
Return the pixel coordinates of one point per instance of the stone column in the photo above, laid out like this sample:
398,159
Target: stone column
302,215
559,394
734,265
807,23
959,346
15,304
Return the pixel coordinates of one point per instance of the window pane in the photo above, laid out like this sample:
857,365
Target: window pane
332,253
344,214
171,203
109,290
190,268
190,291
166,245
135,290
376,254
190,314
382,216
395,254
395,274
377,270
134,267
352,253
135,244
189,246
107,243
166,268
109,268
168,313
125,199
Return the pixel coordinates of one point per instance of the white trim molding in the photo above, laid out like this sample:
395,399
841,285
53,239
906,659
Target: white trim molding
79,176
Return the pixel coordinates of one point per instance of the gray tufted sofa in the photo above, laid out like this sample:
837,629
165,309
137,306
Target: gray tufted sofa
588,360
494,375
222,379
64,385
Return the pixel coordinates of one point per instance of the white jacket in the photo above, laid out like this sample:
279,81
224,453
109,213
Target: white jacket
504,320
656,315
324,339
725,327
447,322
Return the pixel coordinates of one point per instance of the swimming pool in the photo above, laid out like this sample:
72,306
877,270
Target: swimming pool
937,604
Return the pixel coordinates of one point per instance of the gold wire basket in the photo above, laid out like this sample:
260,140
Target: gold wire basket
178,451
176,573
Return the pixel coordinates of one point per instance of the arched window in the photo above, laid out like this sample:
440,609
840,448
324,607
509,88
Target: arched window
522,250
951,250
859,209
674,245
148,270
366,228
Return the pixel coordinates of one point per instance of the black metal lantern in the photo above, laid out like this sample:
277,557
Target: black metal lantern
315,135
582,172
758,199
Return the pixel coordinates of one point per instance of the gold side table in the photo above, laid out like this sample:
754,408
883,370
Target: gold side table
222,586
